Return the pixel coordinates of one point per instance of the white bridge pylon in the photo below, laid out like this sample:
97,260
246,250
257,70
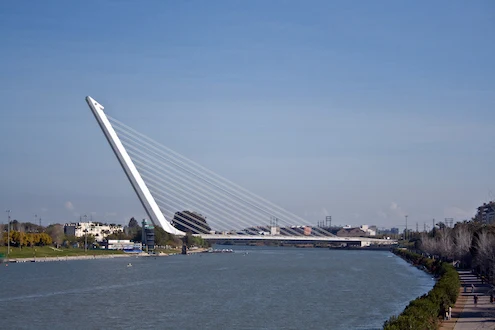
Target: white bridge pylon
137,182
170,185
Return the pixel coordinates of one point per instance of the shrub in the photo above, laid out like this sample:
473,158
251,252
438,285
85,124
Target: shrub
423,312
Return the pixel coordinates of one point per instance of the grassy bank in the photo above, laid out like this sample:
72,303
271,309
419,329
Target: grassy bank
424,312
46,251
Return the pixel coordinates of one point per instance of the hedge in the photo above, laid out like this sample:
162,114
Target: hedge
424,312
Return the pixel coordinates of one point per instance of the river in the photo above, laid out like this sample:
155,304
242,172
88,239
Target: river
253,288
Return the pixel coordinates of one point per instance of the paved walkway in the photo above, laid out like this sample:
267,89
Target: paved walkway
467,316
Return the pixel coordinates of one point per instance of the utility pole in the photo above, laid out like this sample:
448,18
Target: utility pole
433,224
405,234
8,233
85,236
417,227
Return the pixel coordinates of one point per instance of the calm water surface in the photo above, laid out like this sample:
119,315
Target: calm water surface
254,288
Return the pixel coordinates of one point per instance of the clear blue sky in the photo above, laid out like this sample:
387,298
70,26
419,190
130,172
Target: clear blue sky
363,110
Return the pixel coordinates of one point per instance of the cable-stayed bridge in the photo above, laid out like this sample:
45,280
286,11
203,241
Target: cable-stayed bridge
197,200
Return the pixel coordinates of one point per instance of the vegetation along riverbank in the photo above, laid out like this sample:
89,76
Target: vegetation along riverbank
426,311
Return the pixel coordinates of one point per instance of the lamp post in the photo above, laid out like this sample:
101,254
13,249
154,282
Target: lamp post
85,235
8,232
85,240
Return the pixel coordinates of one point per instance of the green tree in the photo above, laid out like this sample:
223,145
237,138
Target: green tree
29,239
137,237
45,239
69,240
90,239
132,229
133,223
191,240
161,236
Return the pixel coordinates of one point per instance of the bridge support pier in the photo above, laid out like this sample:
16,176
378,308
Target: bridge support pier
184,245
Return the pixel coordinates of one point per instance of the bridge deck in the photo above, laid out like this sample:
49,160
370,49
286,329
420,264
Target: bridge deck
334,239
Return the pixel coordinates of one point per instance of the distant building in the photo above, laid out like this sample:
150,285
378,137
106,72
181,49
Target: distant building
148,236
351,232
97,229
275,230
370,230
391,231
193,222
486,213
122,244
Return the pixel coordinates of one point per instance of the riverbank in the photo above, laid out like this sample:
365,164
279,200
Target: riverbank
426,311
76,254
66,258
50,251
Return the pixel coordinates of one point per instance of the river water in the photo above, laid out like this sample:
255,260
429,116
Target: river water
253,288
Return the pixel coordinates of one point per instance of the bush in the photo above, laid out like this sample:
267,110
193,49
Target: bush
423,312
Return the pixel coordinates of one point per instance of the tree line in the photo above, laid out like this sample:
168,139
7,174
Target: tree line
20,239
470,244
28,234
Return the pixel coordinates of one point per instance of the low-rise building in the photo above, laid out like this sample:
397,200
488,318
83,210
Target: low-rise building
122,244
97,229
351,232
370,230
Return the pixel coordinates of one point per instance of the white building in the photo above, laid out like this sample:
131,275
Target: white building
370,230
98,230
122,244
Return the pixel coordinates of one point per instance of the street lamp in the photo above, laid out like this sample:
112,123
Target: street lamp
85,240
86,235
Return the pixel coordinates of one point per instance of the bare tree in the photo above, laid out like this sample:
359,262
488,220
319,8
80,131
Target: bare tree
445,243
428,244
463,238
485,251
56,232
